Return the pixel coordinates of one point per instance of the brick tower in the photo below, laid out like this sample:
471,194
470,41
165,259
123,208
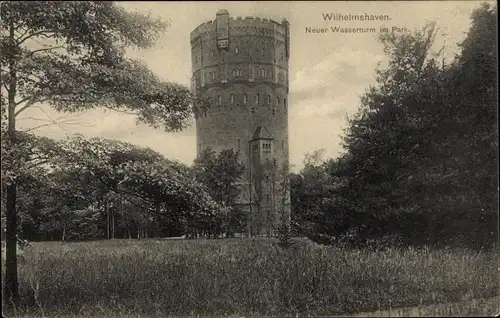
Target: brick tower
241,64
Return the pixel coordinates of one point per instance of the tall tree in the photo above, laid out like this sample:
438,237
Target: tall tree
420,154
71,56
220,173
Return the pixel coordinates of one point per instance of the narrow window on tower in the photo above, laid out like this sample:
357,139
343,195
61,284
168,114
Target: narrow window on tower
219,100
257,99
277,100
213,53
269,99
284,103
244,98
232,99
236,51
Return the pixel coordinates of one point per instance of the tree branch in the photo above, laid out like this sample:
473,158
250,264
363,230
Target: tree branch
22,35
36,127
120,111
38,33
22,101
6,87
38,163
32,100
47,49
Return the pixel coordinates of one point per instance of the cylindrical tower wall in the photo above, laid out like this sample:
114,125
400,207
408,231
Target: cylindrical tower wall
247,84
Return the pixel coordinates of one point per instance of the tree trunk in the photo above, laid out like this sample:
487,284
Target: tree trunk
106,211
11,292
112,224
430,228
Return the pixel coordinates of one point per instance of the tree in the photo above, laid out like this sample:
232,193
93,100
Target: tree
420,153
220,173
71,56
283,206
119,174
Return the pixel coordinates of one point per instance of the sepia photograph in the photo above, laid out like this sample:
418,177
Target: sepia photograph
249,159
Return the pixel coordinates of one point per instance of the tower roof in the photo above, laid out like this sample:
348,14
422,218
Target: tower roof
222,11
261,132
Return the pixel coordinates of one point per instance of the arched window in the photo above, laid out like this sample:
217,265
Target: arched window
213,53
277,100
236,50
244,98
234,72
219,100
269,99
232,99
257,98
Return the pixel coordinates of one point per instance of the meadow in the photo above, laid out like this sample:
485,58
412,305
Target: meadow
249,277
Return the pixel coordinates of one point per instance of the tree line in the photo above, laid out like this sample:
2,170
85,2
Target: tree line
80,189
420,159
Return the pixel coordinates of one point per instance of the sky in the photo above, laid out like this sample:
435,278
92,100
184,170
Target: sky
329,72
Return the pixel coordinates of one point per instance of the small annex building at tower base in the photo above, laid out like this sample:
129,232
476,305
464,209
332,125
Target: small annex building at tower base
241,65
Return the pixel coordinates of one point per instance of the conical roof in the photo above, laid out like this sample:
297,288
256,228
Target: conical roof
261,132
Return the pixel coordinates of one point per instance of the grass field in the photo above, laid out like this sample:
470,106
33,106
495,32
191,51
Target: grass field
247,277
